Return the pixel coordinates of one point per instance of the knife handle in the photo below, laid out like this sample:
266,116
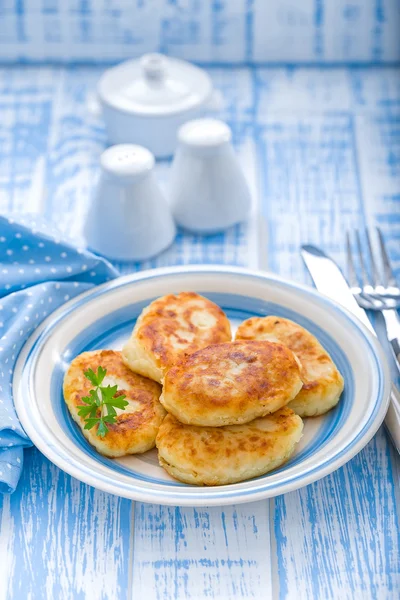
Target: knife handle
392,323
392,419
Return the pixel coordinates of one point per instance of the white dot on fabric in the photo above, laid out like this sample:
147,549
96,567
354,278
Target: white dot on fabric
25,248
29,306
42,301
66,297
1,324
44,288
8,465
37,316
93,273
50,299
5,271
53,270
1,472
63,255
37,270
84,267
47,258
29,294
21,271
68,269
13,427
21,332
79,250
31,261
9,252
1,349
18,460
76,284
11,221
26,318
18,235
44,313
7,286
2,238
57,286
41,245
14,309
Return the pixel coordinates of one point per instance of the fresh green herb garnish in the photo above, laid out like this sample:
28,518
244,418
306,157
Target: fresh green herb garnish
100,399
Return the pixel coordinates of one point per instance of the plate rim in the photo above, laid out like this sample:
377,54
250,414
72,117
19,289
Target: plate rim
169,497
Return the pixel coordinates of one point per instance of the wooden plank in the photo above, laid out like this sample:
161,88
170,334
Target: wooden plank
228,32
338,538
61,538
197,553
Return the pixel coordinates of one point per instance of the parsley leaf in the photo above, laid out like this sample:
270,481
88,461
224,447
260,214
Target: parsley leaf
99,407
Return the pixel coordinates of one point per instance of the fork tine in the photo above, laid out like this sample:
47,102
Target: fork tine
376,279
351,270
389,277
364,273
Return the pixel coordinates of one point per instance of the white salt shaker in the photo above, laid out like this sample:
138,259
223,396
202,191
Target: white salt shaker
129,217
208,190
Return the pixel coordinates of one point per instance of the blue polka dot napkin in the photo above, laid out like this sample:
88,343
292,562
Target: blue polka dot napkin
38,273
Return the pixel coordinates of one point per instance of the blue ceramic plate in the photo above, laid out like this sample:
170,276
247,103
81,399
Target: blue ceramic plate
104,317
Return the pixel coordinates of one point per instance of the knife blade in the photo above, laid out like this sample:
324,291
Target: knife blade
329,280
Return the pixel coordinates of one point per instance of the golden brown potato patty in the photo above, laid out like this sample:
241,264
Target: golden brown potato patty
171,327
222,455
231,383
322,382
137,426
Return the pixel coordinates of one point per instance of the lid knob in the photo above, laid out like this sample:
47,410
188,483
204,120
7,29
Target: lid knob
154,66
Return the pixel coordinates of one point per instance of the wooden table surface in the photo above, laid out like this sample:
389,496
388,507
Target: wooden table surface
321,149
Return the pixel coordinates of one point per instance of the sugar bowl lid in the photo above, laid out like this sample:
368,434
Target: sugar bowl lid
154,85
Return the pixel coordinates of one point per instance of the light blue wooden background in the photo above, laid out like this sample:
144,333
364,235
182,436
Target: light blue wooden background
225,31
321,149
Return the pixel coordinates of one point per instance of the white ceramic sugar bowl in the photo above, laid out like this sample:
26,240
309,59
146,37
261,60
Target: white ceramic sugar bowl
145,101
208,190
129,217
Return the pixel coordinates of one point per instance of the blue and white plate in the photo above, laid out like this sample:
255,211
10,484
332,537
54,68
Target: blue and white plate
104,317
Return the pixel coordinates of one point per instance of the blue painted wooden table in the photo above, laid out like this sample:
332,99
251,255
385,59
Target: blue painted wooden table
321,149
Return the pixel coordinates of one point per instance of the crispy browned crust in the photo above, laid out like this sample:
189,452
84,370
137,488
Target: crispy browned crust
172,326
230,383
136,427
221,455
322,382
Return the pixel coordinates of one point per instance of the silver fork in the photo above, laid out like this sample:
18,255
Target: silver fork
377,290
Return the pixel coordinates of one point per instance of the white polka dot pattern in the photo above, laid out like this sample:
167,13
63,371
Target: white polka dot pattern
36,270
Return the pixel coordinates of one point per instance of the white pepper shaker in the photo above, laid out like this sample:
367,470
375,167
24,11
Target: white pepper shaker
208,190
129,217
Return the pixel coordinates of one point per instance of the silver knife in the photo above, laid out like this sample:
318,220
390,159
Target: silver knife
329,280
